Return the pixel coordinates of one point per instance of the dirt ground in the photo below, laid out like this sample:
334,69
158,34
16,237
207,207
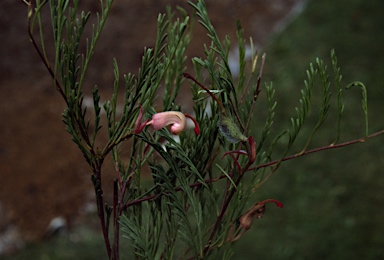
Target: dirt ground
42,173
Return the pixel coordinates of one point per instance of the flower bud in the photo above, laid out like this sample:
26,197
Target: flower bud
230,130
139,126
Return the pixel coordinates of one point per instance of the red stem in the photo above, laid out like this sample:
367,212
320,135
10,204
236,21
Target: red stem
84,134
188,76
116,214
323,148
223,176
100,209
224,207
46,63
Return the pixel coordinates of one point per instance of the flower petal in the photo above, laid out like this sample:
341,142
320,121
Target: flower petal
176,119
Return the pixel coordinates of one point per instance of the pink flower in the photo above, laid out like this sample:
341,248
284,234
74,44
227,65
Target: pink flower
176,120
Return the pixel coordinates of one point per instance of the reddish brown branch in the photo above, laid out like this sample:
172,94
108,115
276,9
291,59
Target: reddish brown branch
100,209
319,149
188,76
223,176
45,61
251,152
116,215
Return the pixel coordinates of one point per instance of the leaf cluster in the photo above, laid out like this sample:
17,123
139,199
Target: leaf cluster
199,187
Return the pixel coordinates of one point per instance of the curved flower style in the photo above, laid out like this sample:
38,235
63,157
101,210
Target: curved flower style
175,119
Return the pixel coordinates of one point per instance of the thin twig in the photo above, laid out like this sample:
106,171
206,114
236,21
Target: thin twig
222,109
224,207
100,206
116,216
256,94
260,166
45,62
323,148
254,63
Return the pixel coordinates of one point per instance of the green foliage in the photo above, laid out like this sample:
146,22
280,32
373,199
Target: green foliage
364,102
194,205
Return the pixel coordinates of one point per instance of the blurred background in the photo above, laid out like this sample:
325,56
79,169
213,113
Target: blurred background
333,200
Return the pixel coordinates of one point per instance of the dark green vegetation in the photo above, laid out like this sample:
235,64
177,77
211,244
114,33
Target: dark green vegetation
332,199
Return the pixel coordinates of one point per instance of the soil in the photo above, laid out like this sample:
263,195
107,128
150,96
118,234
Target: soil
42,173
